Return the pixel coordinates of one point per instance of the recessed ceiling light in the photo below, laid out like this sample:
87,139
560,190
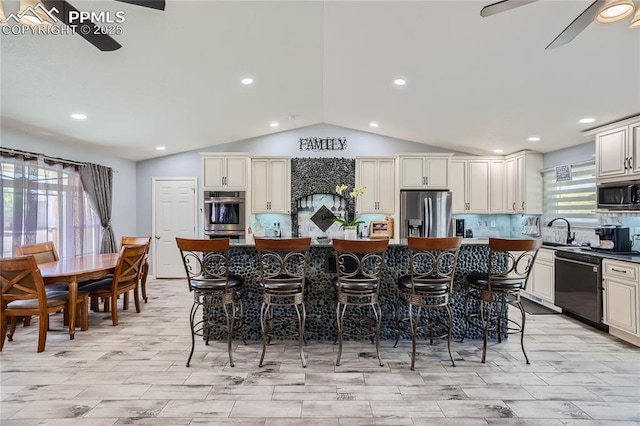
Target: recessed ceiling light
374,124
586,120
498,151
247,80
533,139
78,116
274,124
399,81
161,148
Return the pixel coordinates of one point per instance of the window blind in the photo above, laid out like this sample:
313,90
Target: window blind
575,199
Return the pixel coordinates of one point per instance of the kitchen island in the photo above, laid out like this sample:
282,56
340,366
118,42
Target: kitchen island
320,303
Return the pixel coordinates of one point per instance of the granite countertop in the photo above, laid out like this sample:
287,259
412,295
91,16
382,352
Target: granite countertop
327,242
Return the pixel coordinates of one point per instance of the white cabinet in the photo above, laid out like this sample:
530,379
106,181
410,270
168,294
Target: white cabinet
497,186
523,183
620,298
424,172
542,280
225,172
469,184
617,151
271,185
378,176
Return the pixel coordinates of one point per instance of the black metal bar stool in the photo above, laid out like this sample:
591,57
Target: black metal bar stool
206,263
283,270
509,266
359,265
426,291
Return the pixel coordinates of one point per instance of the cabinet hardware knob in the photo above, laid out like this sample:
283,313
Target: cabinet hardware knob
618,270
523,205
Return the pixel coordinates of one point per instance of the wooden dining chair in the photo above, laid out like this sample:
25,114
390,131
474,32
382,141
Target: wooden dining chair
23,295
42,253
144,270
124,279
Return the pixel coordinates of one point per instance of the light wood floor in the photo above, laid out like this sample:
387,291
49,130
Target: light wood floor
135,374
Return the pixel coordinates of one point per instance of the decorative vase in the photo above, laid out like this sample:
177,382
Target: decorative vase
350,232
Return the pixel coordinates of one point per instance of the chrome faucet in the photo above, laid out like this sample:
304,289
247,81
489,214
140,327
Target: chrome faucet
570,237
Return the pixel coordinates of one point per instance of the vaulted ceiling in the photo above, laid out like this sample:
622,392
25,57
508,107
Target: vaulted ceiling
473,84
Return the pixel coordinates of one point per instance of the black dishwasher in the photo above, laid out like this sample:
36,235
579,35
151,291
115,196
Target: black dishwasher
578,286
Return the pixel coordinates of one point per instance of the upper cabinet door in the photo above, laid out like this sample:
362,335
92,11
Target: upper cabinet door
213,172
386,185
259,185
367,177
236,173
458,186
510,177
412,173
611,153
498,186
634,135
478,186
279,186
437,172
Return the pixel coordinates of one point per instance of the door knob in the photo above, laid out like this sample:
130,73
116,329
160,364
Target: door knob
157,237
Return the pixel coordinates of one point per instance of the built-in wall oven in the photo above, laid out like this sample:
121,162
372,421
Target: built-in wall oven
224,214
578,285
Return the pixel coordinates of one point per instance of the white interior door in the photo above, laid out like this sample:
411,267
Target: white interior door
174,215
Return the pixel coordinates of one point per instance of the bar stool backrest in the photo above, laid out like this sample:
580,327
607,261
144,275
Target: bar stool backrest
433,260
283,260
360,261
511,260
205,260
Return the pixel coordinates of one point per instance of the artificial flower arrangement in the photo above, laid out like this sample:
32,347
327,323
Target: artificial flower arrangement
357,191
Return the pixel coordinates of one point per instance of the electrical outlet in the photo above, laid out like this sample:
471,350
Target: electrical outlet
493,223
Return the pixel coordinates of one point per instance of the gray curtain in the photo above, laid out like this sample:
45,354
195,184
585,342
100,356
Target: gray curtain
97,181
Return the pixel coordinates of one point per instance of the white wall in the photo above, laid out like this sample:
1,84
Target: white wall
571,155
124,191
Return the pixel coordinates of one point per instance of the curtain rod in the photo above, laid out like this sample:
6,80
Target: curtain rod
15,152
579,163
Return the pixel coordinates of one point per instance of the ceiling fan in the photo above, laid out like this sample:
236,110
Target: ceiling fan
50,10
601,11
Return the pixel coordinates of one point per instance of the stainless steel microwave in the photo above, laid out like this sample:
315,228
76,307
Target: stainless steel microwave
619,196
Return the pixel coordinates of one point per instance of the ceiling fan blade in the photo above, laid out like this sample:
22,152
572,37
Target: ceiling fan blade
86,30
154,4
503,6
577,26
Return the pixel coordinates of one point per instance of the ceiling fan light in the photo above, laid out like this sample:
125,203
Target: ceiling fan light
635,21
614,11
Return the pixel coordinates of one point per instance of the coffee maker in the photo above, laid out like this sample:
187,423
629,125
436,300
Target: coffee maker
614,238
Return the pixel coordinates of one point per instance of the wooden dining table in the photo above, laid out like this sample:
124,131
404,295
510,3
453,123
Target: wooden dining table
73,270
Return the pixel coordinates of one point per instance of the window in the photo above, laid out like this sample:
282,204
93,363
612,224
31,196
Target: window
575,200
44,202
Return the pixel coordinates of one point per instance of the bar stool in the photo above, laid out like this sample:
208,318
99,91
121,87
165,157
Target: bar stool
359,265
427,290
283,271
509,265
206,263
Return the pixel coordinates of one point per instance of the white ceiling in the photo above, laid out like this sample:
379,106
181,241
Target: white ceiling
474,84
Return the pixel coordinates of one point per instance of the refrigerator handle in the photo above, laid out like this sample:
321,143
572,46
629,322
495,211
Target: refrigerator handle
427,214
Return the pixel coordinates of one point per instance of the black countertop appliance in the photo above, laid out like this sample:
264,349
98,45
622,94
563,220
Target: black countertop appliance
614,238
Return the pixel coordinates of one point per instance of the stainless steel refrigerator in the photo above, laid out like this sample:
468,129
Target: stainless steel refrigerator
425,214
